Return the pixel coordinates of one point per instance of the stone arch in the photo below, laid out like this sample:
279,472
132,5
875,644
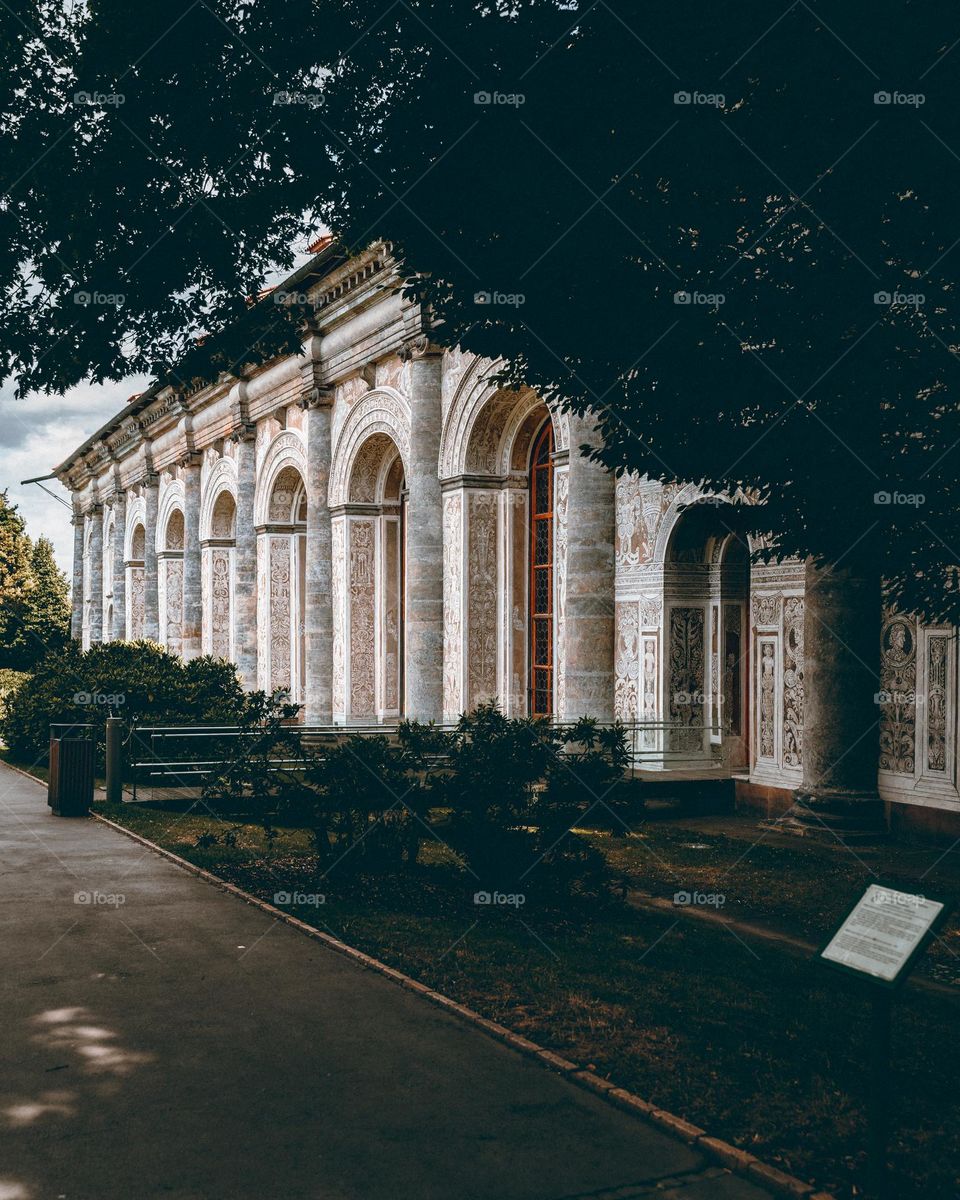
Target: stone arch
136,520
171,500
170,542
482,424
221,481
383,411
369,572
280,508
286,450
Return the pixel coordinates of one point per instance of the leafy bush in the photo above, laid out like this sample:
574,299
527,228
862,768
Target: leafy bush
137,681
10,681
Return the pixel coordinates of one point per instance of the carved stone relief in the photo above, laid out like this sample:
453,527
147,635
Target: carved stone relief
220,606
936,702
767,700
361,582
482,597
627,661
137,603
561,500
452,599
338,598
793,681
280,613
173,595
686,663
898,694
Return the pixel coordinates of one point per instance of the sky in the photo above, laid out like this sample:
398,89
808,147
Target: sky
36,434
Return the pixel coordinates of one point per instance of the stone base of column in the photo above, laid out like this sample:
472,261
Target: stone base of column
852,818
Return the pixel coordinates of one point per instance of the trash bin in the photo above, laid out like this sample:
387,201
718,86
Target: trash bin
70,784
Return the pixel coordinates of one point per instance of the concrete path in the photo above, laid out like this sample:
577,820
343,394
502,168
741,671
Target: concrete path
185,1045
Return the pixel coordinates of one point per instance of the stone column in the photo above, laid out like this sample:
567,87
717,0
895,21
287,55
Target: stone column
245,559
119,568
589,617
76,596
96,574
319,574
423,626
192,595
838,799
151,594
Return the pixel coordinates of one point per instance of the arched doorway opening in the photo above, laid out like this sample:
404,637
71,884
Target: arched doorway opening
171,583
372,525
135,583
218,551
706,593
542,591
283,561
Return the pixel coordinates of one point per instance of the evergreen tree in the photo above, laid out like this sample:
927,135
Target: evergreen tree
16,584
47,624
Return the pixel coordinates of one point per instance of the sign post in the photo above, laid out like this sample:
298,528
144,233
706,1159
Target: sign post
879,942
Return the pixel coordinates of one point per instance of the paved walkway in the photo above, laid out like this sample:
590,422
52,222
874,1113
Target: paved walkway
184,1045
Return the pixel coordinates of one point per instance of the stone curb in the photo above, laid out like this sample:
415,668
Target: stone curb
719,1151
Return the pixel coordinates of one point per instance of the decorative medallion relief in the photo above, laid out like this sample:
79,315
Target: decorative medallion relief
898,694
766,610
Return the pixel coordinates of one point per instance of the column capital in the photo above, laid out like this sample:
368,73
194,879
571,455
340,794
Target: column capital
192,458
149,479
316,397
246,431
418,346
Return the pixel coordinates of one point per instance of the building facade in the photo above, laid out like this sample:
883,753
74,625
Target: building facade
377,527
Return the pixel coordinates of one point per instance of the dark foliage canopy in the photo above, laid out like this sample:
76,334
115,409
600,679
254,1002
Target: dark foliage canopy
730,229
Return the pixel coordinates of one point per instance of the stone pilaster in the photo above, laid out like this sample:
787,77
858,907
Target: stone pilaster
245,565
151,590
192,586
76,596
119,568
588,648
318,639
424,611
95,564
838,798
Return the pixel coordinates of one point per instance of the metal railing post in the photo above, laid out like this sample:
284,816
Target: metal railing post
114,765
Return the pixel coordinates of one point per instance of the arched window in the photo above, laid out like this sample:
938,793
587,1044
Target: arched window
541,574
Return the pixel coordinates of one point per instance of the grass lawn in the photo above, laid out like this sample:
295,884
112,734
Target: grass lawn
754,1044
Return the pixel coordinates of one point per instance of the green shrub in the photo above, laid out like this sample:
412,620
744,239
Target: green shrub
137,681
10,681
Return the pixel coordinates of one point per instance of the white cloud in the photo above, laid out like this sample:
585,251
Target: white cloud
36,434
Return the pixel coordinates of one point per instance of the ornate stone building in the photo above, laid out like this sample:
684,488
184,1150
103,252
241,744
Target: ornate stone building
377,527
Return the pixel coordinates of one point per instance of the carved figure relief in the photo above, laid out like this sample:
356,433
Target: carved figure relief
936,700
627,661
898,695
220,607
173,595
137,603
766,701
793,681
